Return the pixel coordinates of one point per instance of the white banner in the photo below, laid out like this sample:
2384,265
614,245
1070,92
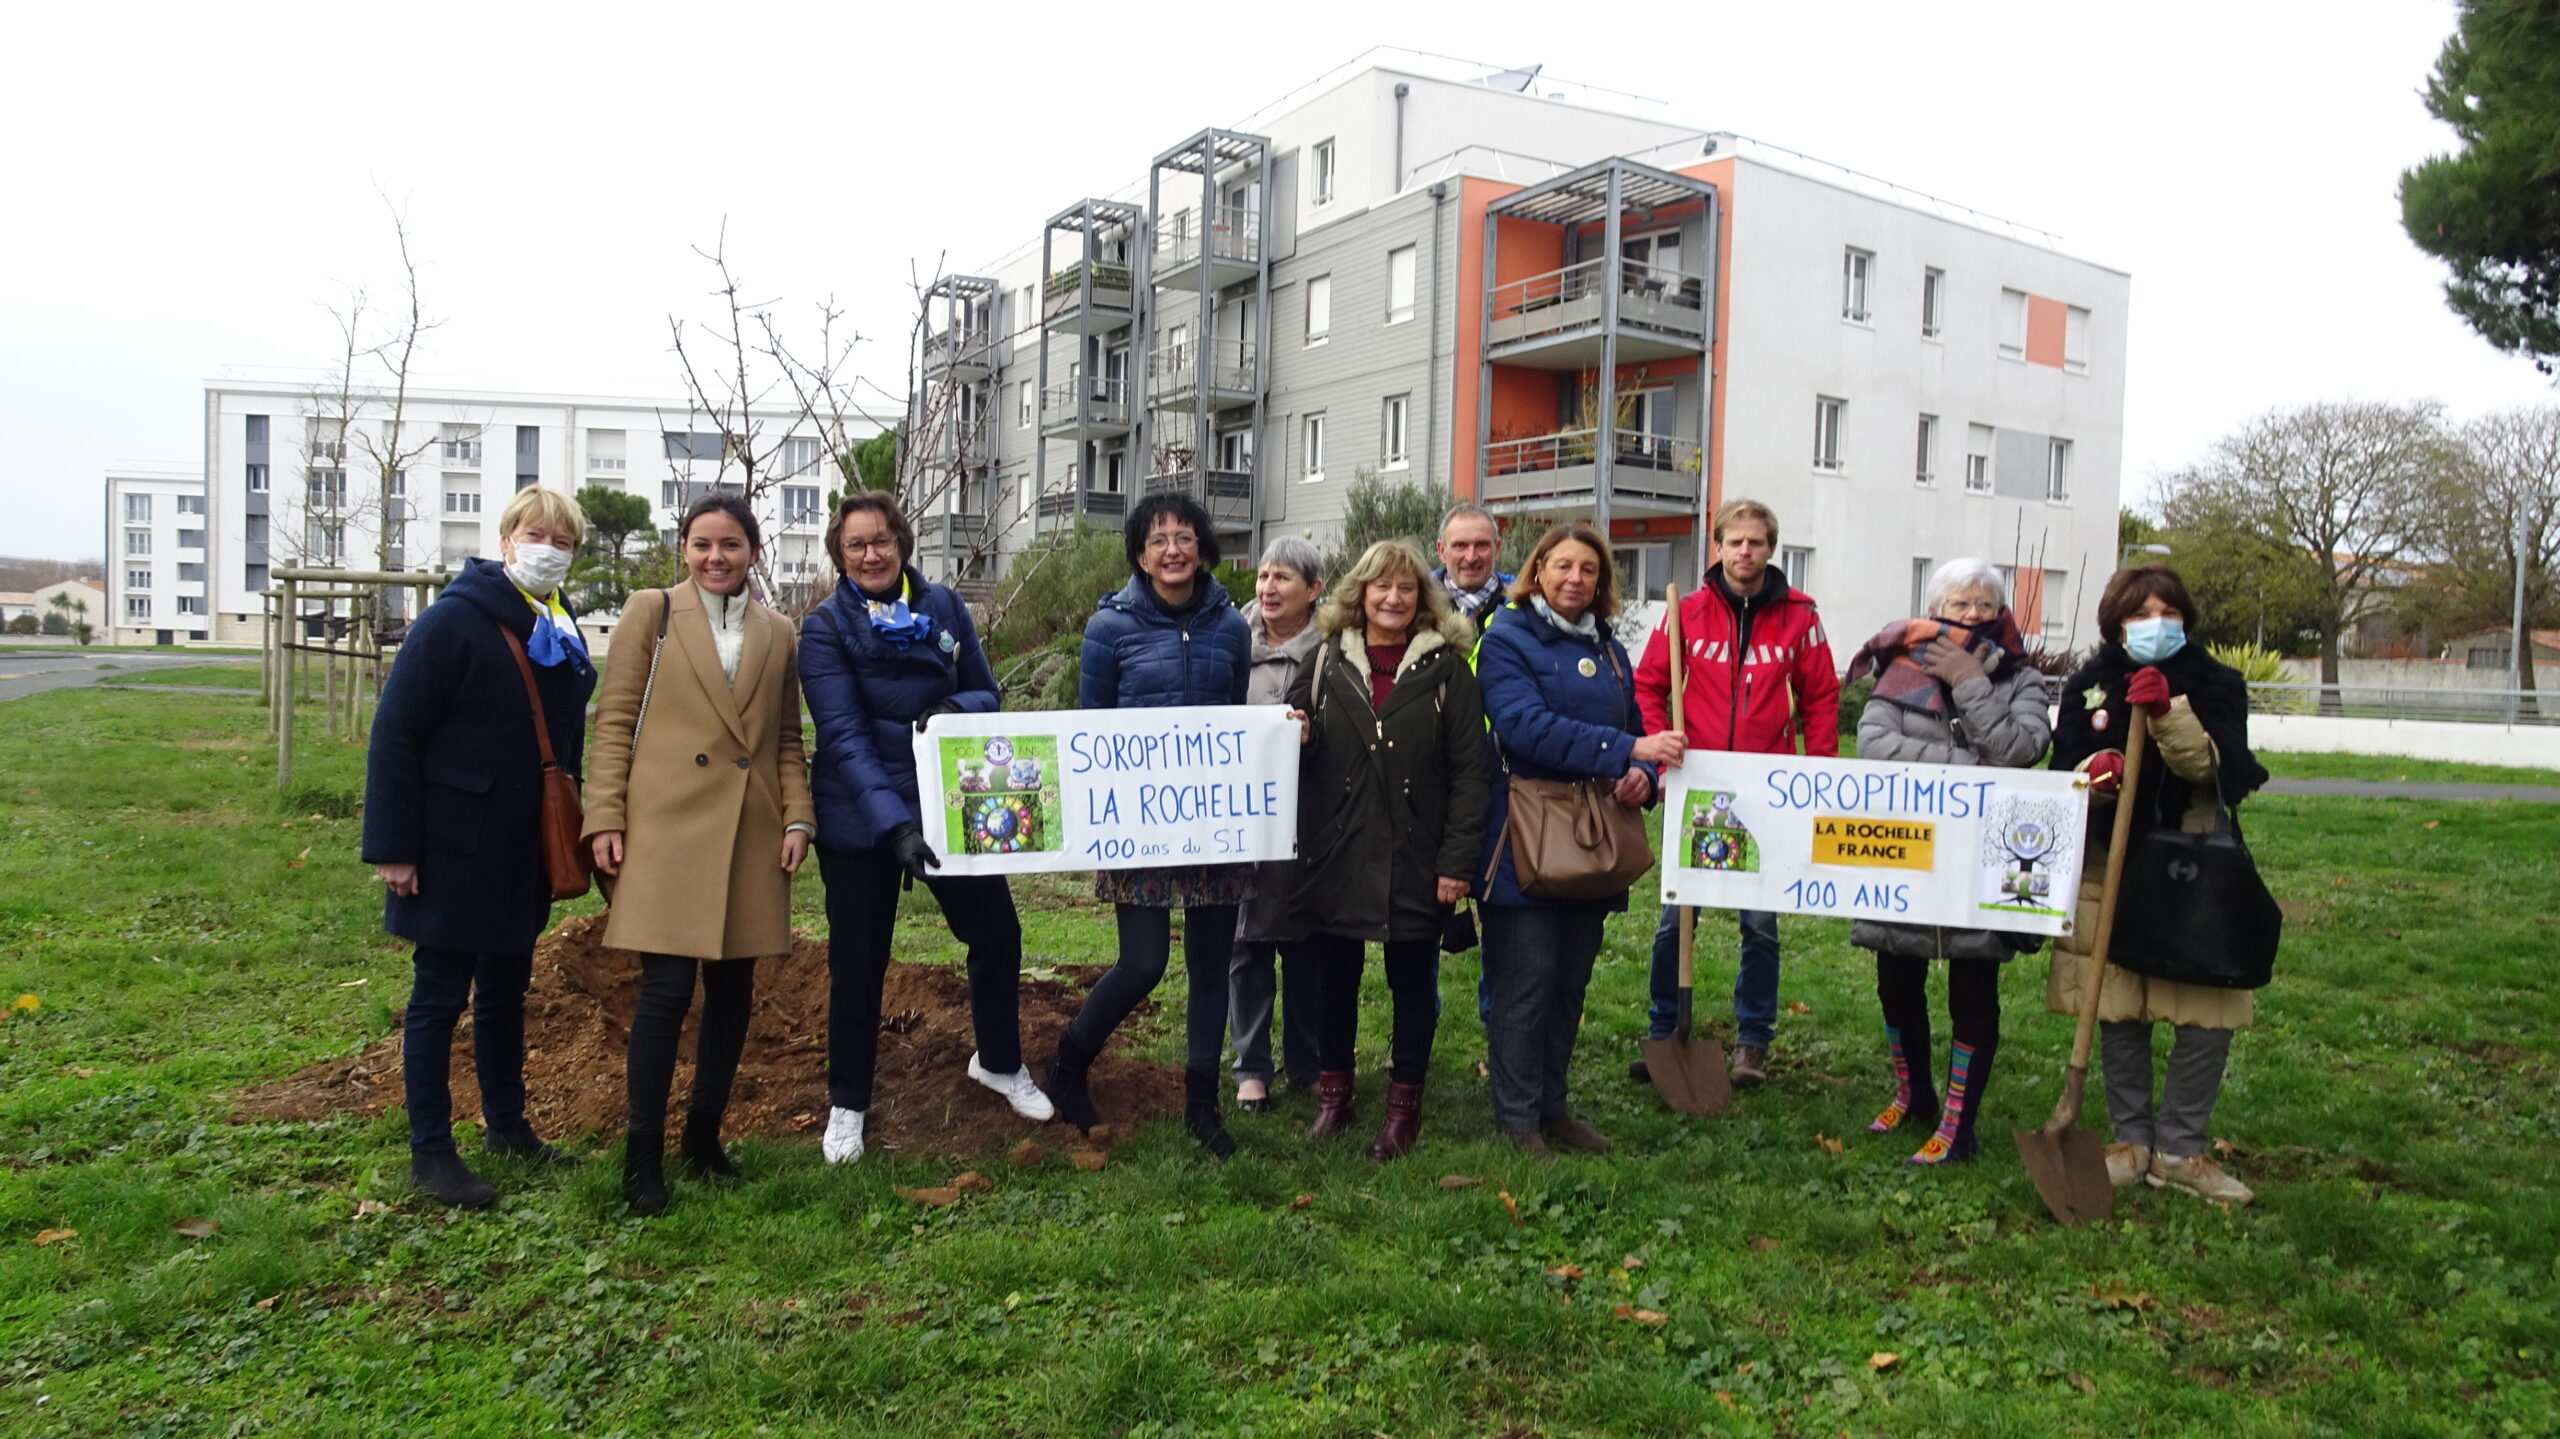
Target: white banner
1109,789
1957,845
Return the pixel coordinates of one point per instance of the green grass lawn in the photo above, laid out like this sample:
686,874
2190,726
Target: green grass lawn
2395,767
2397,1107
243,677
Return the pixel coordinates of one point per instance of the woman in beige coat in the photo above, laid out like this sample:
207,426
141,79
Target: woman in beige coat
698,802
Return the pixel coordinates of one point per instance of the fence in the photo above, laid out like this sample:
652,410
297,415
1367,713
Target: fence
2406,702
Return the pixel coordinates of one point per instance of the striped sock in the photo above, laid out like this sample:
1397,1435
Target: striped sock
1953,1139
1892,1116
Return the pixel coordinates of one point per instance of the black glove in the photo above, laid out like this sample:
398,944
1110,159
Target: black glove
914,856
944,707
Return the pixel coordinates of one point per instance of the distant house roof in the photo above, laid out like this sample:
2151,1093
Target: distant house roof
2546,643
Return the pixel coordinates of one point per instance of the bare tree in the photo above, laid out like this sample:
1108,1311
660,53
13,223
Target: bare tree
2349,486
2497,533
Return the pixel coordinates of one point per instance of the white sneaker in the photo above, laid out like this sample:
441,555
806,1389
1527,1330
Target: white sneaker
843,1143
2128,1165
2199,1176
1017,1088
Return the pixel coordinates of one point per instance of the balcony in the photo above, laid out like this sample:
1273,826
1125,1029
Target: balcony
464,453
963,443
1650,473
328,452
1063,300
1173,375
1554,321
1226,494
598,464
959,355
1231,242
1085,408
1057,509
953,535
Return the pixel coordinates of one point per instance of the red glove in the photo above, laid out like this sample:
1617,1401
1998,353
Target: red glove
2150,689
2106,772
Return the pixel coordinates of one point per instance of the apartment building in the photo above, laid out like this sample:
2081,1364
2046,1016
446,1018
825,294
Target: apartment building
292,477
1554,300
157,586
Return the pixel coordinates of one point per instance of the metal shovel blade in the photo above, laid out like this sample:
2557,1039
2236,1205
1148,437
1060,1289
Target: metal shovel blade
1689,1074
2069,1167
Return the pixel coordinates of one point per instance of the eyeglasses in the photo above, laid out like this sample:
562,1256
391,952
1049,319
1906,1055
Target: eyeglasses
870,547
1185,542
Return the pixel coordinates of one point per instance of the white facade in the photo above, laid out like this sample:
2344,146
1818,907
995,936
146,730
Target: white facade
289,484
157,576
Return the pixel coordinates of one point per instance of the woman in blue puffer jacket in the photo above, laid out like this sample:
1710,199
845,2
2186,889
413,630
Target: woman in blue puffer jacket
878,660
1169,637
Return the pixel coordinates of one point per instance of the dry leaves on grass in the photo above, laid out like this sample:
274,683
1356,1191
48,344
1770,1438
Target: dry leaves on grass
54,1236
1088,1160
1026,1154
1302,1201
296,861
1567,1271
27,1003
1640,1316
973,1180
1881,1361
1460,1181
195,1228
2116,1296
1631,1264
1764,1243
1798,1006
365,1207
1830,1145
1510,1206
932,1197
803,1123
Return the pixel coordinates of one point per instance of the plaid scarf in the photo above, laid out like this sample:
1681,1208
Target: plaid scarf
1901,679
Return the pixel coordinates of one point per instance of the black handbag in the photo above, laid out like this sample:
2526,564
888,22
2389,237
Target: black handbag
2193,909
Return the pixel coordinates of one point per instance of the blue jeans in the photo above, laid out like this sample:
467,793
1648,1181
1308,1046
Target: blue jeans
441,982
1755,984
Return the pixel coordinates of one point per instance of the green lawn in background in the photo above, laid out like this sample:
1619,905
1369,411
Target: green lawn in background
2395,767
225,676
2397,1108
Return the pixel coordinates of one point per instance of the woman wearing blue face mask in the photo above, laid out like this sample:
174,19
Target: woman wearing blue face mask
2198,713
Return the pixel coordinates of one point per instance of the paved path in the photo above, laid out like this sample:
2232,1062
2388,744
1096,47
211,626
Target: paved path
25,674
2407,789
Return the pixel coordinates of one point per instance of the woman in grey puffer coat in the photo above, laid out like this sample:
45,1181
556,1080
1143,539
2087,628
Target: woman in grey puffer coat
1954,688
1282,620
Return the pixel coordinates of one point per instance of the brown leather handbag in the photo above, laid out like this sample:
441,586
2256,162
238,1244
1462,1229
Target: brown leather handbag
1571,839
564,852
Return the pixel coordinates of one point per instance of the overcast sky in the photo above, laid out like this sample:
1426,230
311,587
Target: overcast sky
191,186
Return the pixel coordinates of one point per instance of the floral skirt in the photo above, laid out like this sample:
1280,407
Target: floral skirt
1175,887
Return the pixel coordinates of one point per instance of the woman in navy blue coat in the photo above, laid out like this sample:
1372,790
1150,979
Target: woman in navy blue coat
453,825
1560,701
887,652
1169,637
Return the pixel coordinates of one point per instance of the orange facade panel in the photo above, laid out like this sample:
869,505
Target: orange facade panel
2047,320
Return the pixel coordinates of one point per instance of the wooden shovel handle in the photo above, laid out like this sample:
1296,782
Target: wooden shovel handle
1679,720
2067,1112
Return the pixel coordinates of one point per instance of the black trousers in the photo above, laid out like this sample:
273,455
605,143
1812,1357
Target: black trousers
1413,990
862,915
1146,947
666,992
440,982
1973,1012
1539,962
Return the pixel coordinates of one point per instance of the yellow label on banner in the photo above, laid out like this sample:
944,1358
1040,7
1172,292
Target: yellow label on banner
1873,843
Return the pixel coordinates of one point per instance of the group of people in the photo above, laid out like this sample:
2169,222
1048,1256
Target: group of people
1421,692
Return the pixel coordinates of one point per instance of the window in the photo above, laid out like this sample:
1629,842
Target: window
2056,584
1928,463
2057,469
1977,459
1854,268
137,509
1315,446
254,578
191,574
1022,406
190,539
528,449
137,542
1920,568
325,489
2075,340
460,444
1933,299
1115,470
190,504
1324,172
463,502
1319,309
1826,431
2013,324
1074,476
400,483
253,529
191,604
671,494
257,479
1023,492
800,504
1400,285
256,429
605,450
1177,347
137,608
324,540
1235,451
137,579
696,446
801,454
1391,449
1796,563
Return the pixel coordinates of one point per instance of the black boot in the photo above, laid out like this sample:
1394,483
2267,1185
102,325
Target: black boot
445,1179
700,1148
518,1141
1200,1112
1065,1082
644,1173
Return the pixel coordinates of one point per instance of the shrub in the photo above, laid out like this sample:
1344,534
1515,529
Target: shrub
2261,667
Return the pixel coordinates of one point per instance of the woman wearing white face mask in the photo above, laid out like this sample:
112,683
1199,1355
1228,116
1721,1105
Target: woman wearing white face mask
453,825
2197,709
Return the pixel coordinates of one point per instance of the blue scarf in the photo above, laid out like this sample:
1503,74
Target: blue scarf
892,620
555,636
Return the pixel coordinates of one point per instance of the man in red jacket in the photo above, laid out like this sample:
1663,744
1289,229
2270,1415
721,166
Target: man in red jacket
1759,678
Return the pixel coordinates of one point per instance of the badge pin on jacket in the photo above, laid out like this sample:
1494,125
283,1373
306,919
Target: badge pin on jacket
1587,667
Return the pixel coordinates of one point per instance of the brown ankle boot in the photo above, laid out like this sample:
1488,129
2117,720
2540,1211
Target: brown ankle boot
1333,1103
1404,1122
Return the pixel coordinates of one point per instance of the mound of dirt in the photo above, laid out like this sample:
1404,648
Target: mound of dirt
578,1021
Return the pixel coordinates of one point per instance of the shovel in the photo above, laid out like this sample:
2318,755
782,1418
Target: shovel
2069,1164
1688,1068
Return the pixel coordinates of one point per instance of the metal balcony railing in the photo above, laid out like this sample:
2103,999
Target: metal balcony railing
1231,232
1649,296
1566,448
1226,494
461,452
1091,401
955,348
1174,370
600,462
1063,293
